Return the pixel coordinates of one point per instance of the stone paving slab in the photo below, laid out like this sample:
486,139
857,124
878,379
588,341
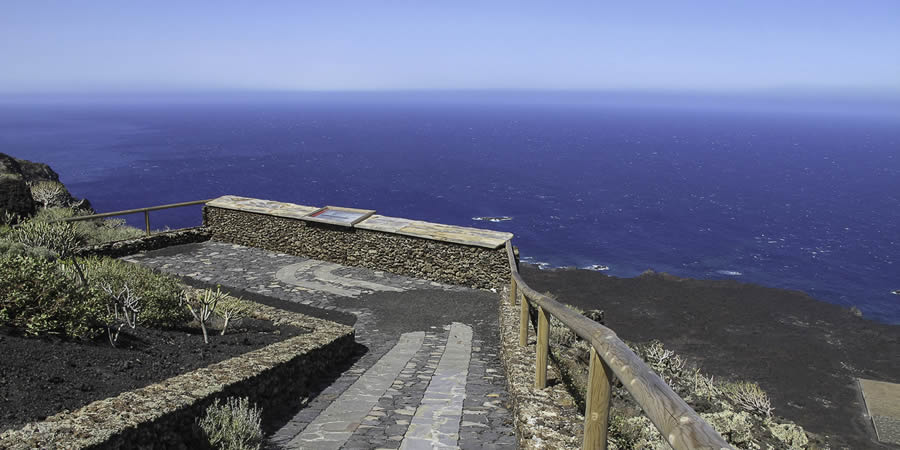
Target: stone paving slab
437,419
332,428
376,417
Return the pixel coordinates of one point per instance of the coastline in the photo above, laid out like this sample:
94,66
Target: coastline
804,352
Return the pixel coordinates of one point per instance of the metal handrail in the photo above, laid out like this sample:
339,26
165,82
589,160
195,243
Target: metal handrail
146,212
679,424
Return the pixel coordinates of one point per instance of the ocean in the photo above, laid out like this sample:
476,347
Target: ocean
798,194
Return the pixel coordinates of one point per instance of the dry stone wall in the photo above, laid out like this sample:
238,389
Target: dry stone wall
156,241
163,415
444,262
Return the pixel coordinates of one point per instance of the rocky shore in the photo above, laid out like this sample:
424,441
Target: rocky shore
805,353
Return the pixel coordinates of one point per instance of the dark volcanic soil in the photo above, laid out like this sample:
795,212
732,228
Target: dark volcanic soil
42,376
803,352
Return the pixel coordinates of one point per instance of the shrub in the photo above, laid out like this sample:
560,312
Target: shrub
233,425
735,427
109,230
560,334
9,218
740,411
201,304
122,308
749,397
35,295
161,295
49,193
61,238
90,231
9,248
790,434
669,366
634,432
230,308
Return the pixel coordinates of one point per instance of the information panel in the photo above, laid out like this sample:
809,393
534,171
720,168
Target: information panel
336,215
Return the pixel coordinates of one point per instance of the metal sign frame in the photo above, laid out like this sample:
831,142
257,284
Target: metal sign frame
351,216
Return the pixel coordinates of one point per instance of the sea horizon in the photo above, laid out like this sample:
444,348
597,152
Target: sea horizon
799,193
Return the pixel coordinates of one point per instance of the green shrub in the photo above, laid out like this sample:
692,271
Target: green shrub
91,232
160,294
790,434
10,248
36,296
49,193
232,308
634,432
736,427
233,425
61,238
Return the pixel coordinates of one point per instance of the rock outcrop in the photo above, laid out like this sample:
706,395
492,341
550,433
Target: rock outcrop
16,178
15,196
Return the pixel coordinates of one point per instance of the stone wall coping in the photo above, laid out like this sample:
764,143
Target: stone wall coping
477,237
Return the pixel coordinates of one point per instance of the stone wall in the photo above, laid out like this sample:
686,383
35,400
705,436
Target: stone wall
156,241
439,261
544,418
163,415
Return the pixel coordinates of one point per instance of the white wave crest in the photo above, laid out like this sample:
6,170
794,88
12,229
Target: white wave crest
731,273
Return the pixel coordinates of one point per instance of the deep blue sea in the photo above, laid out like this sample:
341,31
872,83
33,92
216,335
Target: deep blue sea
801,195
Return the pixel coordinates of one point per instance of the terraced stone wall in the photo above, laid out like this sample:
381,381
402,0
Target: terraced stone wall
156,241
439,261
163,415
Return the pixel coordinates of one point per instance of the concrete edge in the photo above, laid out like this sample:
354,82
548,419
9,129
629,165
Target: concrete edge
544,418
162,415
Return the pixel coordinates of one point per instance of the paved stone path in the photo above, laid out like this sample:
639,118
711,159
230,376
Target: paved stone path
430,378
437,420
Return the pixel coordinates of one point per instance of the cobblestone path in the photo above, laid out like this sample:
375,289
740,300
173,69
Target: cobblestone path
430,378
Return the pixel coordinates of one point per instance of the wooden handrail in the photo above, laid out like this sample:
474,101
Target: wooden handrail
146,212
678,423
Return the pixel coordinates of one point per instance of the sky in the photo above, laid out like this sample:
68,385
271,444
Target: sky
835,46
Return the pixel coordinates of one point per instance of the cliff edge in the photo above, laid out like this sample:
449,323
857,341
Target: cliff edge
18,176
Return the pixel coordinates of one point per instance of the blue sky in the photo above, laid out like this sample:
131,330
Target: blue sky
687,45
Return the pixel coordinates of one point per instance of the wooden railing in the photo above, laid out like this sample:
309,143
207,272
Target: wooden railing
146,212
680,425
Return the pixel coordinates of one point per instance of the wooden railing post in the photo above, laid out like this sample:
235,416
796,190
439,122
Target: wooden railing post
512,291
147,221
523,320
543,344
596,413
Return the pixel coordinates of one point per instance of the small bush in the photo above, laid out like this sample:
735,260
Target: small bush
49,193
161,295
233,425
560,334
665,363
635,432
36,296
231,308
790,434
90,232
735,427
61,238
749,397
